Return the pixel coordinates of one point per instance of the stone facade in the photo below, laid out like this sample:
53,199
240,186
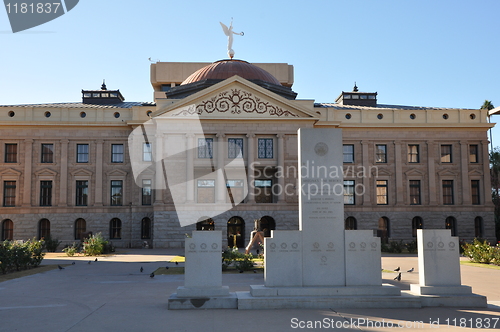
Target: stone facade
452,146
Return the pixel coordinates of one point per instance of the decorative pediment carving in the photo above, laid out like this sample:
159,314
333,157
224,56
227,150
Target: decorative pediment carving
475,172
447,172
236,101
414,172
117,172
81,172
47,172
380,171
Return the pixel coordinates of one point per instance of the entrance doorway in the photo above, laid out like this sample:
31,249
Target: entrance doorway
267,224
383,229
235,232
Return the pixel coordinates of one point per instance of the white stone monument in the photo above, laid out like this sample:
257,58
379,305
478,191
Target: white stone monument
439,271
203,275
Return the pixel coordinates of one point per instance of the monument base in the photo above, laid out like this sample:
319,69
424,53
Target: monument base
195,292
448,296
220,302
384,290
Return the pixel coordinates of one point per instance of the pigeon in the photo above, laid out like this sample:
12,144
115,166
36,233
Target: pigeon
254,271
241,271
60,267
166,267
142,269
411,270
176,263
95,259
89,262
397,270
152,275
398,278
73,263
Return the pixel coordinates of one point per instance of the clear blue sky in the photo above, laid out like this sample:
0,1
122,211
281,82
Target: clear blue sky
423,53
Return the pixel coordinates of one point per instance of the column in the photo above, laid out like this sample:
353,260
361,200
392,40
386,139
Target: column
220,187
366,176
486,172
190,168
281,166
399,173
63,185
98,173
159,179
464,166
250,170
28,160
431,170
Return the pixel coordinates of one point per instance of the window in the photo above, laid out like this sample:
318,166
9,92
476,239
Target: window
147,153
415,192
351,223
80,228
446,153
205,225
475,192
478,227
416,223
265,148
9,193
45,193
413,153
43,229
451,223
448,192
235,191
384,231
82,153
117,153
235,148
145,228
146,192
47,153
10,153
205,148
7,230
117,192
206,191
348,150
381,153
349,192
263,191
382,192
473,153
115,228
82,188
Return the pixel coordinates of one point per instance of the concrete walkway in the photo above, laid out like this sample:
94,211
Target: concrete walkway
113,295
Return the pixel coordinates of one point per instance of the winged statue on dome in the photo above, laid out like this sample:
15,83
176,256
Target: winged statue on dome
229,33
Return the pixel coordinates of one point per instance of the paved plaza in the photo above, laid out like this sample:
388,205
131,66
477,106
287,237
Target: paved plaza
113,295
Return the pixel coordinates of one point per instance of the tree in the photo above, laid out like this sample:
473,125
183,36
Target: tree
495,183
487,105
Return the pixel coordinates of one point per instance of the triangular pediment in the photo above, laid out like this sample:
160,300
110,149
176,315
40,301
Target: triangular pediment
10,172
117,172
381,172
414,172
81,172
46,172
447,172
475,172
235,98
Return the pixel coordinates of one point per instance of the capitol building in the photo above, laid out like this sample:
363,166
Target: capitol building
74,167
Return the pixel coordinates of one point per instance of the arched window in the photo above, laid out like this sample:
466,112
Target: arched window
236,232
416,223
383,229
267,224
7,230
351,223
145,228
43,229
115,228
478,227
80,228
451,223
205,225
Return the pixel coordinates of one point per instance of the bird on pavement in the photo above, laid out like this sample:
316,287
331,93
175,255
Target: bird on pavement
89,262
254,271
152,275
60,267
166,267
398,278
176,263
73,263
95,259
241,271
142,269
411,270
397,270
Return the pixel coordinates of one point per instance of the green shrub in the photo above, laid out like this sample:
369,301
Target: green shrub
51,244
239,260
479,251
94,245
496,255
393,246
71,250
20,255
412,247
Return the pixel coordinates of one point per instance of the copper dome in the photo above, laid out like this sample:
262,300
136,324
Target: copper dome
223,69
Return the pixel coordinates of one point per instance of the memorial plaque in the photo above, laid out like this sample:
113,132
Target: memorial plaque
362,259
283,263
203,260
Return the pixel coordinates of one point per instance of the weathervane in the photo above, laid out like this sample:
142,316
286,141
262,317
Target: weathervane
229,33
